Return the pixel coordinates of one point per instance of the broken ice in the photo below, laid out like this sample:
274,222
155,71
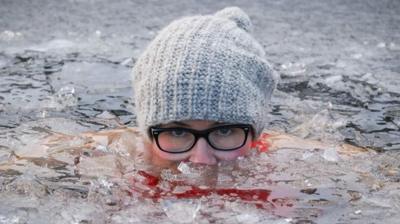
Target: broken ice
330,154
181,211
64,98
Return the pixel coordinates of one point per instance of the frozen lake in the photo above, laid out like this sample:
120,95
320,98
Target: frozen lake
65,68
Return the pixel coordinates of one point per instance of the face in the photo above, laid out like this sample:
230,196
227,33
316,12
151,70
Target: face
202,152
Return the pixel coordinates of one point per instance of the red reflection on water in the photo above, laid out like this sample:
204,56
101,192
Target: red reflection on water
146,186
261,144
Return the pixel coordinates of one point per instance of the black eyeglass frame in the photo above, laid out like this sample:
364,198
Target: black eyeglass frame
155,132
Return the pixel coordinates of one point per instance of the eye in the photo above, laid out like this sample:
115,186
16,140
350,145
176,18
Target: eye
178,133
224,131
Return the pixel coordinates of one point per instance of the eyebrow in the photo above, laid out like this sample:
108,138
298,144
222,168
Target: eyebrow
178,123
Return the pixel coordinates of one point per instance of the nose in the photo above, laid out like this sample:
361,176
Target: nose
202,153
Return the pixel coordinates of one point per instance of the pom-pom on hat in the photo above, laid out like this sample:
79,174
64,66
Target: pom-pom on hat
237,15
205,67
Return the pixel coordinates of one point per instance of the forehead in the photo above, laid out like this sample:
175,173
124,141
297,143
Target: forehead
195,124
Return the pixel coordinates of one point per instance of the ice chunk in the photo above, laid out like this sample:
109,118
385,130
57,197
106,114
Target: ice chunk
194,170
98,33
394,47
8,35
125,219
181,211
106,115
381,45
380,202
64,98
322,126
332,80
288,220
181,189
126,62
307,183
2,63
9,220
54,45
357,56
198,174
4,156
293,69
185,169
101,139
248,218
105,183
307,155
330,154
97,78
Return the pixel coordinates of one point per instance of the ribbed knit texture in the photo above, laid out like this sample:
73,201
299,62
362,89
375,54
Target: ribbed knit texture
203,68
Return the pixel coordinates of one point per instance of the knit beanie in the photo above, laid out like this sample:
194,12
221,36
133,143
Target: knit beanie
205,67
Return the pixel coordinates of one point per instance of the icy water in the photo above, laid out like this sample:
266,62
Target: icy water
65,69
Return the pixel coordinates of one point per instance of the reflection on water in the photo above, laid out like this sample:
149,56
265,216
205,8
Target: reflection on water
339,83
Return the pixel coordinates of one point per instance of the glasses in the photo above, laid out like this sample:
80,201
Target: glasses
179,140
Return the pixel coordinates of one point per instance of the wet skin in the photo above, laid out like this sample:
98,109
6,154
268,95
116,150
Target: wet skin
202,152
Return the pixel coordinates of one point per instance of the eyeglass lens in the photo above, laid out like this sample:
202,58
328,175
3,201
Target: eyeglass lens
179,140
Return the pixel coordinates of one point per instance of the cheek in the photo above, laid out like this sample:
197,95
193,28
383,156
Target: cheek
234,154
160,155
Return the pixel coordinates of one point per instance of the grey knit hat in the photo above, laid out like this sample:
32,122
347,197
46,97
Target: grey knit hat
204,68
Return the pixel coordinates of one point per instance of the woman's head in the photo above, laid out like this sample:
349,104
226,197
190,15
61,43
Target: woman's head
206,69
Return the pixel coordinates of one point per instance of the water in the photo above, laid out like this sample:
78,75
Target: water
64,70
